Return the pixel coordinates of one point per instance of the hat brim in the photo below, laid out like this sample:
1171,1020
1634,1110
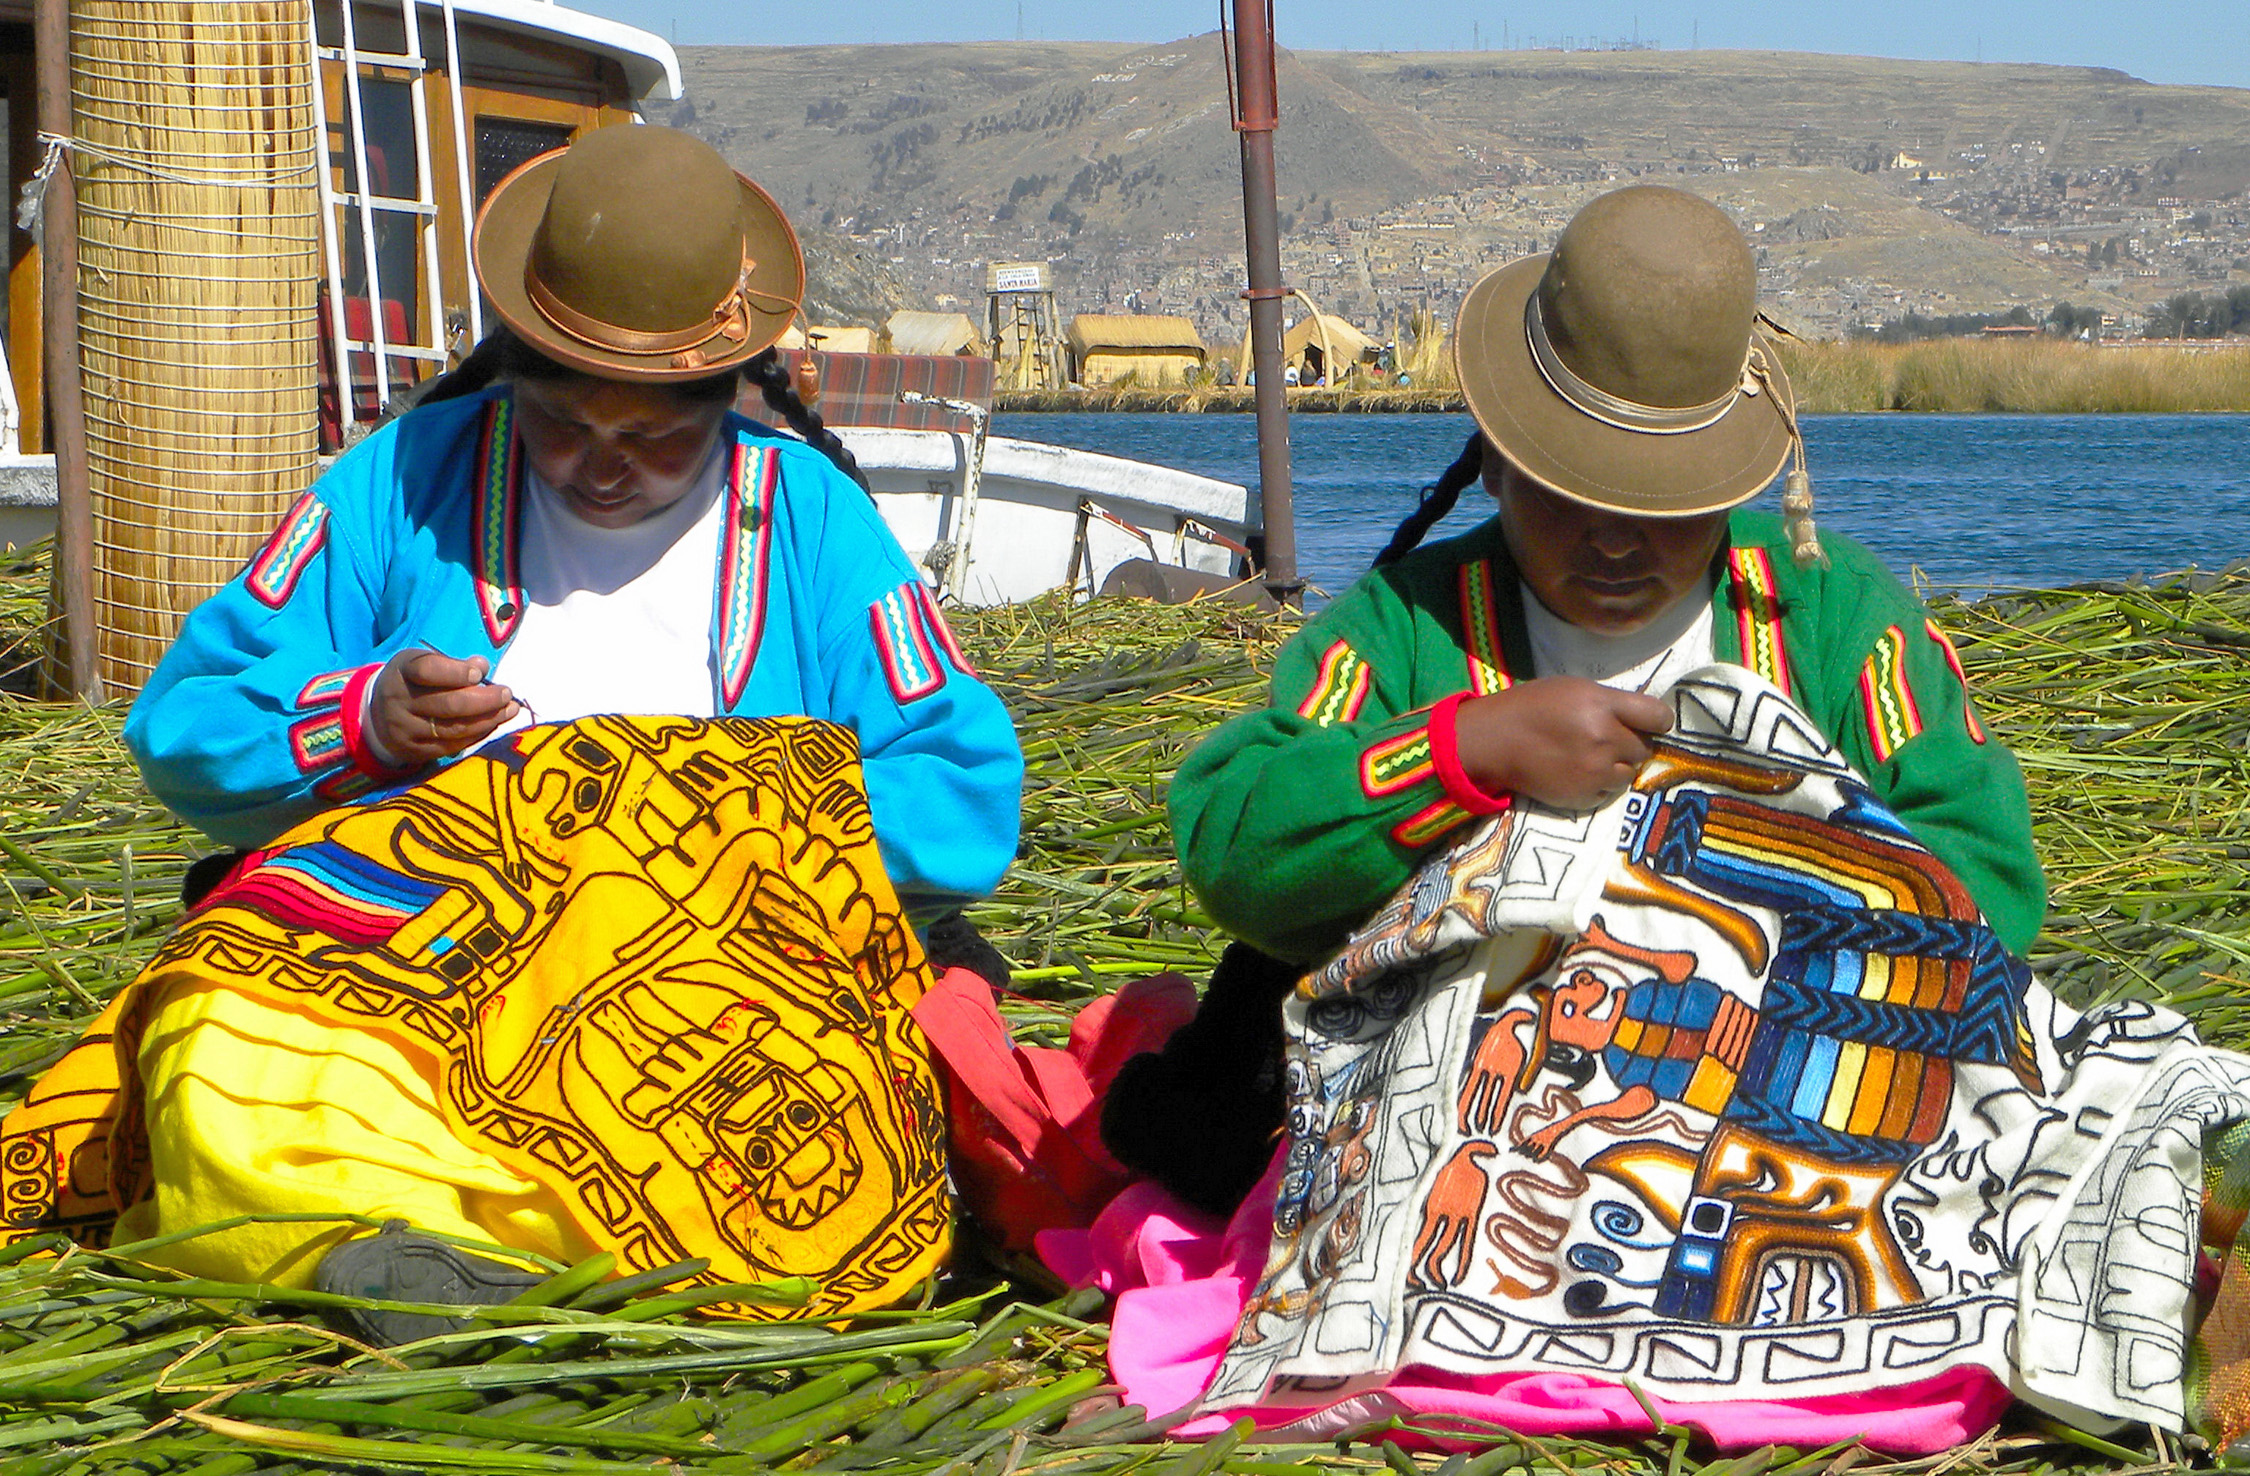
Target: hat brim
1560,446
502,244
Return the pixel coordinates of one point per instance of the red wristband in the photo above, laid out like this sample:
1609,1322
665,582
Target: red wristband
349,711
1445,757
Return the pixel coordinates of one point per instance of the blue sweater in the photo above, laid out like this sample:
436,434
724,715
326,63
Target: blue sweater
251,722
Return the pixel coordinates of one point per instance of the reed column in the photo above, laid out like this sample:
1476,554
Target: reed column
199,224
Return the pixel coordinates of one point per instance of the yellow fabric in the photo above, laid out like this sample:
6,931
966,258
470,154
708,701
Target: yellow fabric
253,1109
647,972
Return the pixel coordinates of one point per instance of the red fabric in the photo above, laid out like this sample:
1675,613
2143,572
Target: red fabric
1026,1120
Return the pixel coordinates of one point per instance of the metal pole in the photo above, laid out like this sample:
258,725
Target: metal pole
1256,112
66,401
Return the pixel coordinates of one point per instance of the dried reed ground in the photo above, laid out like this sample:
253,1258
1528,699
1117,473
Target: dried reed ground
2126,706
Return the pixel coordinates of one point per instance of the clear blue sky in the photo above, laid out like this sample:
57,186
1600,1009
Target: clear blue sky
2196,41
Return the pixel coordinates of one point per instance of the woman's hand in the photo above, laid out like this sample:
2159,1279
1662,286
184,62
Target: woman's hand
1566,742
427,707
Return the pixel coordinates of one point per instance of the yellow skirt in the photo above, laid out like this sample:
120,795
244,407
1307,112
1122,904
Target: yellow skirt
633,984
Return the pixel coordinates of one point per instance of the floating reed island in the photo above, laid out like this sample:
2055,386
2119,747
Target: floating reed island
1944,375
2129,706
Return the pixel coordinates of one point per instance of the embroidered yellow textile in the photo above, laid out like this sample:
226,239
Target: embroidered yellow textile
656,965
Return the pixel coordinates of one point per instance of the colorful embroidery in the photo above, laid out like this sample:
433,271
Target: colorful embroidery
1953,660
344,787
272,576
1396,763
327,689
499,495
1480,630
317,742
909,661
1339,688
1757,612
745,548
934,619
1426,825
1892,716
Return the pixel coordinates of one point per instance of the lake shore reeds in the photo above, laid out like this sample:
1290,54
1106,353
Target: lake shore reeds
2125,704
1940,376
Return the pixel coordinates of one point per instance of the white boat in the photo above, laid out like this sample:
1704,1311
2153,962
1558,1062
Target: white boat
1043,517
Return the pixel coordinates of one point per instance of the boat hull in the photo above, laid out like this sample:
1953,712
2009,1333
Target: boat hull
1047,517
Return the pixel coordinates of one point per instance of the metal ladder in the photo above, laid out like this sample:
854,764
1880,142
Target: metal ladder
362,203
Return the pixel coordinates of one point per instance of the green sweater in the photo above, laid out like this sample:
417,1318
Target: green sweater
1295,823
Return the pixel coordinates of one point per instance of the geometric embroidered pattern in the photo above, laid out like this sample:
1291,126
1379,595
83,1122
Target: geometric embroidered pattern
1480,630
744,551
1397,763
1757,612
274,573
1339,688
499,496
1427,825
1888,703
910,661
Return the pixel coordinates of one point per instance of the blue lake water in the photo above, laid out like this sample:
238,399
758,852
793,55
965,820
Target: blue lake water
1972,501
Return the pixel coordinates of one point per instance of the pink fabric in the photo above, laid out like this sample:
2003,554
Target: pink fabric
1181,1279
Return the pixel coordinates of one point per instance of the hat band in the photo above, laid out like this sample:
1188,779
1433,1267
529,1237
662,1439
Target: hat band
1632,415
730,320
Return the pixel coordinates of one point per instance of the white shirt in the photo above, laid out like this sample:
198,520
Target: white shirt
615,620
1649,660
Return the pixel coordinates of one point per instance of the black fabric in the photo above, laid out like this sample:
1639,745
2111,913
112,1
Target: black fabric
205,874
954,942
1201,1116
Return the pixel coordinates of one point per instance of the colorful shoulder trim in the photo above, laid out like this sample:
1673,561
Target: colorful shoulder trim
1756,598
1953,659
933,617
272,576
497,514
1892,716
745,553
909,656
1339,688
1480,630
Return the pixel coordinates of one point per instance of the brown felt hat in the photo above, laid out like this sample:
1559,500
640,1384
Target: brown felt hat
1624,368
639,253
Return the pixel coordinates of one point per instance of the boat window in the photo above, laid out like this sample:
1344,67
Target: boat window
392,172
503,143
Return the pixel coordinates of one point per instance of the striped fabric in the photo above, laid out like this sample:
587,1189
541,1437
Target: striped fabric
1888,702
1396,764
1340,688
1757,613
273,574
909,656
1426,825
499,496
1480,630
745,552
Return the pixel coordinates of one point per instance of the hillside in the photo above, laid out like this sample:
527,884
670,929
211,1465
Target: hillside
1874,186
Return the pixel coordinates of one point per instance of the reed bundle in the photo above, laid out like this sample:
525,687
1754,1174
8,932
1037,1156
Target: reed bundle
2125,704
199,216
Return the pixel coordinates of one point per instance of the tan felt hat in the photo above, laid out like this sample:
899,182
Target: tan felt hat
1624,368
639,253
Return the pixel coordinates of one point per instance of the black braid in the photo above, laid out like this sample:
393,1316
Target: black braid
1437,500
772,378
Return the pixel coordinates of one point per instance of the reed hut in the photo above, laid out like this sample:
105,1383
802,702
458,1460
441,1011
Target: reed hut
837,338
1147,348
1324,348
933,333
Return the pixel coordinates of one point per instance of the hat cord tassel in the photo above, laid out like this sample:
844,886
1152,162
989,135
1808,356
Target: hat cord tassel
1796,488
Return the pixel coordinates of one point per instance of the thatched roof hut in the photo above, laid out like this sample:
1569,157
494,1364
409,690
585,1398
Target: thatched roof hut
933,333
1152,348
1324,344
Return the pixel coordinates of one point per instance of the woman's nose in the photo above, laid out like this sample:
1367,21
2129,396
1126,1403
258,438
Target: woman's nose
606,465
1615,537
